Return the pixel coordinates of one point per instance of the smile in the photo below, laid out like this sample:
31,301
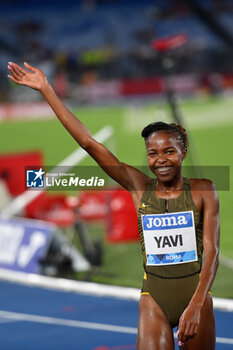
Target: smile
164,169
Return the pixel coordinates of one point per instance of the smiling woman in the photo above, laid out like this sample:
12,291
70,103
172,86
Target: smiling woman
166,155
173,293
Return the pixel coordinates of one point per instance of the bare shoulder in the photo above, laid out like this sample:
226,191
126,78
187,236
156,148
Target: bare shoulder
204,194
202,185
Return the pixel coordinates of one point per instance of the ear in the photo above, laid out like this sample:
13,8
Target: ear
184,154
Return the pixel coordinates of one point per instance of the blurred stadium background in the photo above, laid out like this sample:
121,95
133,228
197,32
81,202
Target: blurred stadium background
99,56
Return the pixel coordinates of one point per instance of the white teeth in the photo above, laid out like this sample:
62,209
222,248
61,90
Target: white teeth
164,169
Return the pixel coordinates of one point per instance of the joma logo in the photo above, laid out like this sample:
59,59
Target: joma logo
166,221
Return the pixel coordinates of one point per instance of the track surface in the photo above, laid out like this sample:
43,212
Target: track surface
42,319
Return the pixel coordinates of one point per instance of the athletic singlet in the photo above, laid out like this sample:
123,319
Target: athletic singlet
151,204
171,285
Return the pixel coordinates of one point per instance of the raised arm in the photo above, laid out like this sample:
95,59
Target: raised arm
34,78
190,320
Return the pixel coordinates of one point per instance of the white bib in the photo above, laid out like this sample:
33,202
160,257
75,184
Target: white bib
169,238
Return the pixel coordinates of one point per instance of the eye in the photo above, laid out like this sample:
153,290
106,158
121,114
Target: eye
170,151
152,154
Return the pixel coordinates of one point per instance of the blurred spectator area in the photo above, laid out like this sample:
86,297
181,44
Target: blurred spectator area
87,40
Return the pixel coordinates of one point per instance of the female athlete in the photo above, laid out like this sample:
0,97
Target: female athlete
178,221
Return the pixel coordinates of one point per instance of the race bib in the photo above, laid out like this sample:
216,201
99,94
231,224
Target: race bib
169,238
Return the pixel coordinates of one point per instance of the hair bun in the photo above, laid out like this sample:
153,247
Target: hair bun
182,130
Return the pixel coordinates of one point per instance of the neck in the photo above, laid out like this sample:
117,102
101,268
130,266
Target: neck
170,186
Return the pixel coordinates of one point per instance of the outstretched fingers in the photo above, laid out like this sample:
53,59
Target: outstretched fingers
18,70
32,69
31,77
17,73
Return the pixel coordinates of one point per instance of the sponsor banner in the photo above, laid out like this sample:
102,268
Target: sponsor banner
101,89
24,111
142,86
23,243
180,84
113,89
170,238
185,83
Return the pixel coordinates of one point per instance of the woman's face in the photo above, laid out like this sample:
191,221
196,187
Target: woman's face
164,155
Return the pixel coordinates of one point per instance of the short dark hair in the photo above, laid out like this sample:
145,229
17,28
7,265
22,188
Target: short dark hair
172,128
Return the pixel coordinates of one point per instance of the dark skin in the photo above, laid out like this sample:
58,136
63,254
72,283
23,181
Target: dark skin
165,156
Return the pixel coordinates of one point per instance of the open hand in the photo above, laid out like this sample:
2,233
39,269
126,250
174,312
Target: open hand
33,77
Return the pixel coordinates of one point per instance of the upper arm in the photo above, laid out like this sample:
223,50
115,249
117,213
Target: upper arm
127,176
211,224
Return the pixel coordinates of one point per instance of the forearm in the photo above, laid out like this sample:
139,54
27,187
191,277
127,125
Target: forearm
211,236
79,132
207,276
34,78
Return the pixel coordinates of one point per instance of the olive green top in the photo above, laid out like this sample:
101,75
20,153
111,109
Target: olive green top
151,204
